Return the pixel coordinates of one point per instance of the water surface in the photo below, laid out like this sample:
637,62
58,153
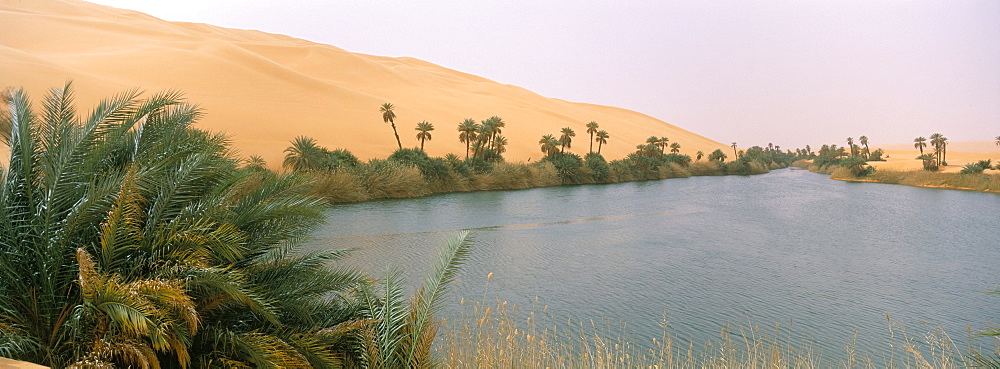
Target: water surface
822,258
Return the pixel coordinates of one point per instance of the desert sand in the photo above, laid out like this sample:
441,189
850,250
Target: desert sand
903,156
265,89
14,364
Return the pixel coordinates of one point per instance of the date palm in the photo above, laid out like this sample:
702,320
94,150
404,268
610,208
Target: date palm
500,144
467,133
944,150
675,147
399,335
497,127
389,116
920,143
937,143
663,144
483,134
864,141
734,149
602,138
304,155
549,145
653,140
424,132
592,129
128,238
698,155
566,139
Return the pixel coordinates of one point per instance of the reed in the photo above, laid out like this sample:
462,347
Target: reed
499,334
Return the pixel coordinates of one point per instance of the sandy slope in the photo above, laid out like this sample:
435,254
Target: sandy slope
265,89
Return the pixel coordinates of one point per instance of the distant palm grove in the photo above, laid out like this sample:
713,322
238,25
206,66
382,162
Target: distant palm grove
410,172
132,239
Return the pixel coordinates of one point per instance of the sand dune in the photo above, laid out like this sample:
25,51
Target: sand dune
265,89
903,156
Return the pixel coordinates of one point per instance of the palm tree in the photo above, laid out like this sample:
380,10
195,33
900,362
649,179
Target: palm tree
389,116
467,133
500,144
944,150
734,149
424,132
129,238
304,155
653,140
663,144
592,129
675,148
717,155
920,143
400,335
498,125
602,138
864,141
698,155
566,139
483,134
850,144
549,145
492,127
998,140
936,142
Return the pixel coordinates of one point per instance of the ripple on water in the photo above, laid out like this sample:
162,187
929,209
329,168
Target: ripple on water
820,258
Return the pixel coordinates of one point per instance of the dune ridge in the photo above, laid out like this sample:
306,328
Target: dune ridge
264,89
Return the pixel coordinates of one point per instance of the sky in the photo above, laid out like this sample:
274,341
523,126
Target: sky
790,73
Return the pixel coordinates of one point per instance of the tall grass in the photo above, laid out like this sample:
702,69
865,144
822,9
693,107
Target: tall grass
388,179
498,334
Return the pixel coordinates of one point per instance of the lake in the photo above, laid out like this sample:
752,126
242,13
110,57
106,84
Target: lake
822,258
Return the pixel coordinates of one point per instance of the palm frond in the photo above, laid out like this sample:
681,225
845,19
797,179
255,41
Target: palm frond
454,254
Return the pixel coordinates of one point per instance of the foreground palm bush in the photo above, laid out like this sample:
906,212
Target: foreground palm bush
128,238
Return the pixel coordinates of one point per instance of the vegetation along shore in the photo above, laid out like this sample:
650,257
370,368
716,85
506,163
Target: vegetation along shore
132,239
976,175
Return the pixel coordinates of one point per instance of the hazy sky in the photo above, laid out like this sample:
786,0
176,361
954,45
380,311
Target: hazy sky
788,72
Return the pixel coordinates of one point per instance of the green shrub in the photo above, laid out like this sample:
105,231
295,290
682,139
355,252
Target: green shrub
479,165
977,167
597,167
341,158
568,167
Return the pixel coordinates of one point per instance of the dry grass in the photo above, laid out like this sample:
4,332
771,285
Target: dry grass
704,168
387,179
971,182
498,334
501,335
340,186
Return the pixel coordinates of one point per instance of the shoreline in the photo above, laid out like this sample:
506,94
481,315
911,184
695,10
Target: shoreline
984,182
341,186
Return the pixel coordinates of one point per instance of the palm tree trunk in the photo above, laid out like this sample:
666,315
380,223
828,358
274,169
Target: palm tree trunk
467,149
421,144
591,142
599,147
397,135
